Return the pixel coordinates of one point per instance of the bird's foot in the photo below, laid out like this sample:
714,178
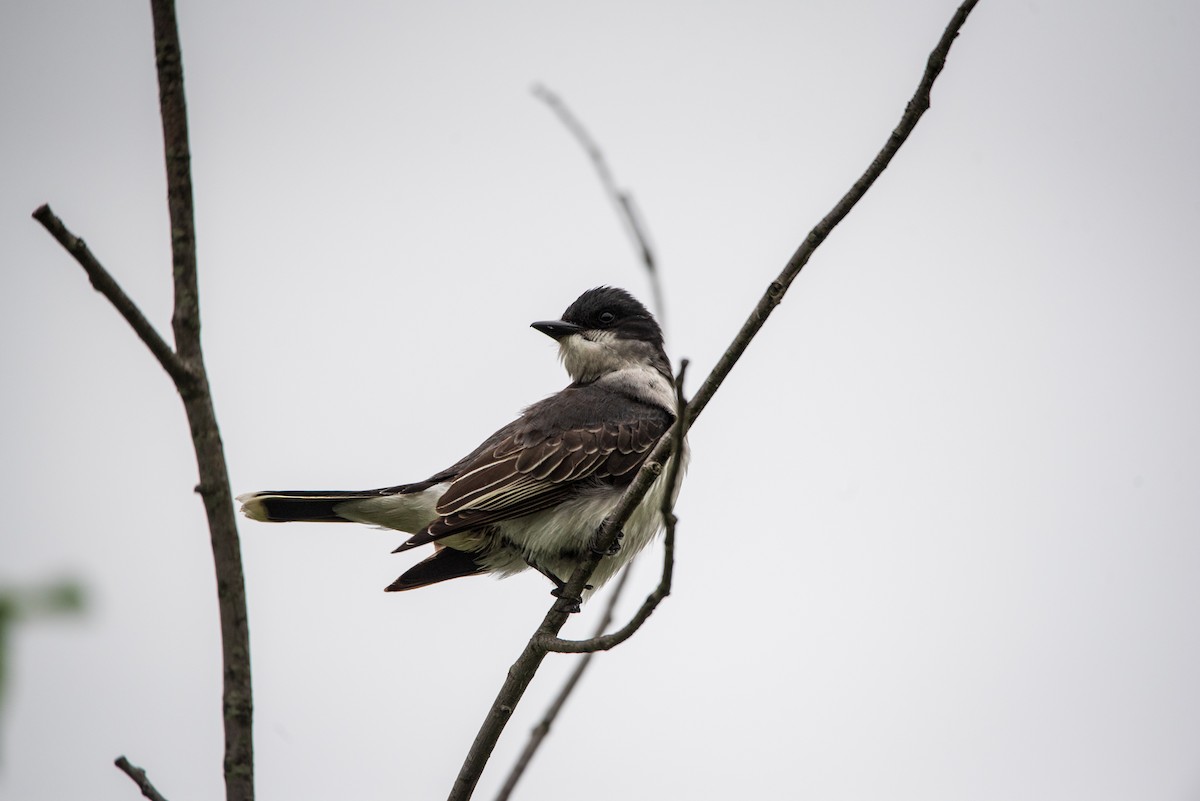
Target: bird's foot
560,587
570,602
612,550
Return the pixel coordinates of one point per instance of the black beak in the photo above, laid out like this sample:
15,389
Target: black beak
556,328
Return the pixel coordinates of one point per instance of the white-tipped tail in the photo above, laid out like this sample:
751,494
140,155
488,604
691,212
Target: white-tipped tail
253,507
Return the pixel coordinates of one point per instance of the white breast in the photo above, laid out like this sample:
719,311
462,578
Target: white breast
544,537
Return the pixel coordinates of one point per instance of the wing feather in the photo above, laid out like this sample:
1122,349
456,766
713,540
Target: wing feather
580,436
619,464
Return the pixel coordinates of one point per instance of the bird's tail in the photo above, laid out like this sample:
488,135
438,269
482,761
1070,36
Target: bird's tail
409,508
406,507
316,506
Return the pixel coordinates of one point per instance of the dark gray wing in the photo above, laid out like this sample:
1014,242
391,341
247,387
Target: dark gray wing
578,437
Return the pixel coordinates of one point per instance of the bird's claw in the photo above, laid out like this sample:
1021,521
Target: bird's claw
570,602
611,550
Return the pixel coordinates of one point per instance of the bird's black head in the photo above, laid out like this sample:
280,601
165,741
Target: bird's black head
605,308
606,329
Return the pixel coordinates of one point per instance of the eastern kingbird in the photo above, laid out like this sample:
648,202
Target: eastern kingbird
535,492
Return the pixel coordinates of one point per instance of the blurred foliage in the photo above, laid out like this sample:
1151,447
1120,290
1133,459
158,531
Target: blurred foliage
19,604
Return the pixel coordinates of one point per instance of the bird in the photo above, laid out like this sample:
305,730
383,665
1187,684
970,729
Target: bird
535,492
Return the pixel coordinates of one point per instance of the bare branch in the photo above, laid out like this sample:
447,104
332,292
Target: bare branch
607,641
197,400
173,107
139,778
626,211
622,199
913,111
522,671
185,365
542,729
107,286
602,643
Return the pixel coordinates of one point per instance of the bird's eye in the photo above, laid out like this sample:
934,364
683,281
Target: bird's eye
606,318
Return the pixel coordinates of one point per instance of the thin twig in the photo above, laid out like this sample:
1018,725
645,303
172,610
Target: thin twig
522,671
913,111
107,286
622,199
139,778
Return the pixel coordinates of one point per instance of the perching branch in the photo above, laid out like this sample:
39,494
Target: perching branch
522,671
598,642
623,203
622,198
607,641
539,732
913,111
139,778
185,364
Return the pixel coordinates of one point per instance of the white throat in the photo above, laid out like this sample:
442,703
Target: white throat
587,355
625,365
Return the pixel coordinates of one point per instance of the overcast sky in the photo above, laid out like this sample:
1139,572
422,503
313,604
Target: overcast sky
940,538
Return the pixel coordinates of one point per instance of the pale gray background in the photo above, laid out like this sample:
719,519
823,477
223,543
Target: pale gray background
940,535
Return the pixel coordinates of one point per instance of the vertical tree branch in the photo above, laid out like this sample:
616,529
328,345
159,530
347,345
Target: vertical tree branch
173,109
197,401
522,671
185,365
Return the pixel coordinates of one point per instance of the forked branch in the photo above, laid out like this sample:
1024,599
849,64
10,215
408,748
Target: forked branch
185,364
636,230
604,642
541,731
522,671
601,641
